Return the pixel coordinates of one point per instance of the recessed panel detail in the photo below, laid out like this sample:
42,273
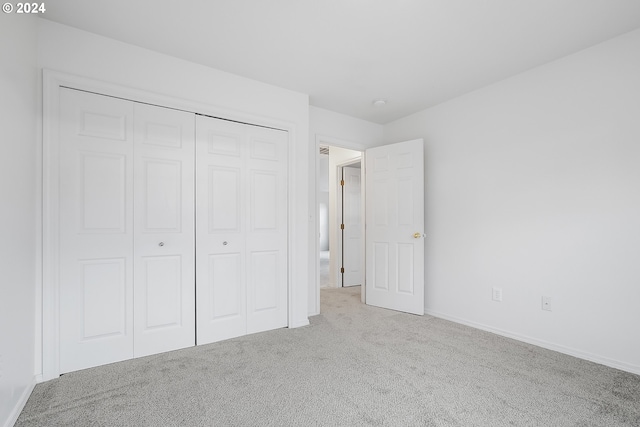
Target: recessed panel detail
405,160
265,150
405,268
163,135
381,204
381,164
102,126
224,199
102,284
103,193
162,195
264,271
352,253
225,286
163,285
264,200
381,265
404,194
224,143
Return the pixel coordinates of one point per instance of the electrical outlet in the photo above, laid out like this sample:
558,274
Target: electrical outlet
546,303
497,294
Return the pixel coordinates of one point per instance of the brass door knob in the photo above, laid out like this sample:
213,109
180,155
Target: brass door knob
417,235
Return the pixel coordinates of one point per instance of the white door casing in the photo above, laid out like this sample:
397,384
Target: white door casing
241,221
164,227
126,184
395,226
352,238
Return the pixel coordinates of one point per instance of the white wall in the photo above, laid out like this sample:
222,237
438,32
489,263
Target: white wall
355,133
18,82
533,186
72,51
337,130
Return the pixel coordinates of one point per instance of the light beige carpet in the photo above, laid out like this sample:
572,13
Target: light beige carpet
355,365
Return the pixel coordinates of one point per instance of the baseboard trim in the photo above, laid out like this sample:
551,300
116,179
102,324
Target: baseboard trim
612,363
300,324
19,406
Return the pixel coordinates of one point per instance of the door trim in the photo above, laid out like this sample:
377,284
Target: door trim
47,358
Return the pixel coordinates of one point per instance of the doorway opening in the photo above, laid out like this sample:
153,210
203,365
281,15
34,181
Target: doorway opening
340,211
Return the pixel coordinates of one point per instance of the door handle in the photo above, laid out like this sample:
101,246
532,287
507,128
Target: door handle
417,235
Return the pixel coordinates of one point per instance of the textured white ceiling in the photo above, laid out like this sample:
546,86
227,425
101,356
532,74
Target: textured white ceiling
346,53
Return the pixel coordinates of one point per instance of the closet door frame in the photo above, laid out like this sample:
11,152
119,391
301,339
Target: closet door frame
47,351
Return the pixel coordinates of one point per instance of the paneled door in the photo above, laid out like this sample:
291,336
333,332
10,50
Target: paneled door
241,222
126,259
352,239
164,227
395,226
96,230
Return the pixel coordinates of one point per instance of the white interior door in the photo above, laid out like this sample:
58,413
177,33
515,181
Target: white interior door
241,228
96,230
395,226
164,242
352,238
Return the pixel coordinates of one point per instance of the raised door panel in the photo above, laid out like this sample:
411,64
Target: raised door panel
224,199
163,193
102,286
160,289
102,201
226,312
164,255
95,230
265,279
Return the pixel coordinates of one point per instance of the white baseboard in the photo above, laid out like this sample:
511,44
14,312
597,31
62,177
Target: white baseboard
15,413
623,366
300,324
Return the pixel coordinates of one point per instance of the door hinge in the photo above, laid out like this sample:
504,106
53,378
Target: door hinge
341,226
342,182
342,270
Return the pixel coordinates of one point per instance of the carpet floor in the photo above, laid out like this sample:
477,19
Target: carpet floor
354,365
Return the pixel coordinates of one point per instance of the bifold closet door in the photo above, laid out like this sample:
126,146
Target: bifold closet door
96,230
164,227
241,229
122,192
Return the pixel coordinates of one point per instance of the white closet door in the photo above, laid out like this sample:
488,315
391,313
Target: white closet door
266,229
164,243
220,216
241,229
96,230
